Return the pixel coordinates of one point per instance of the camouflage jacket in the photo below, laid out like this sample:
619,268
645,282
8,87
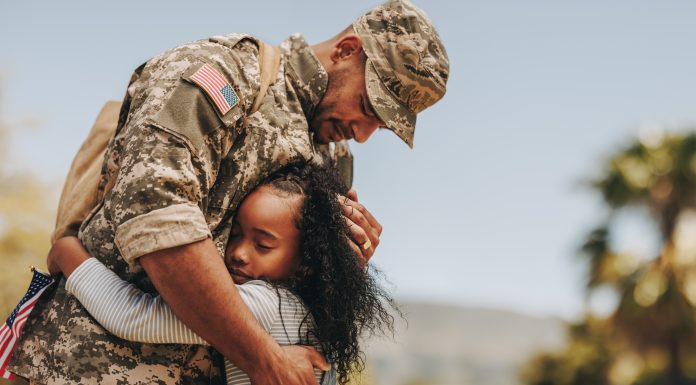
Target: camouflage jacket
175,173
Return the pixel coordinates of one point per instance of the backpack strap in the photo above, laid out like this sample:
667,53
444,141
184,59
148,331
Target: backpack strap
269,63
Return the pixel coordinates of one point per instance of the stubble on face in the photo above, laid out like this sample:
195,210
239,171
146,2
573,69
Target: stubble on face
325,124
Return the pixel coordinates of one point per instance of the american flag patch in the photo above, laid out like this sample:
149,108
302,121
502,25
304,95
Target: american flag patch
217,87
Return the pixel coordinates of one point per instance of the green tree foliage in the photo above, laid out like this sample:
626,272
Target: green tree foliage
651,336
585,361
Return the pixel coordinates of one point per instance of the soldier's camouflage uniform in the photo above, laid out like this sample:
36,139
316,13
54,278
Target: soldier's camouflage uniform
176,172
179,169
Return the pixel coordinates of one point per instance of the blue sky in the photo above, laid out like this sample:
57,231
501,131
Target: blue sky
489,208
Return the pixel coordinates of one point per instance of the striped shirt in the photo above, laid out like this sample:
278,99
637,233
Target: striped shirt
131,314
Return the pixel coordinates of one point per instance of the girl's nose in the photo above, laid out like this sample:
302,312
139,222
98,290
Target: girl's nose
240,257
236,254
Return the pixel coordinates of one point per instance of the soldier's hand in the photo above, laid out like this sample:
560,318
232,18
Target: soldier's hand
364,228
296,367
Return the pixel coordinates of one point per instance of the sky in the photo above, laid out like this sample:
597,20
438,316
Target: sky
491,205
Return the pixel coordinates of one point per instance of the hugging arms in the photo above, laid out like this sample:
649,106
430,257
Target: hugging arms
190,144
289,250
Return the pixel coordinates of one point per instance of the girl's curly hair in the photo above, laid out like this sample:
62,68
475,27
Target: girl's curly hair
344,299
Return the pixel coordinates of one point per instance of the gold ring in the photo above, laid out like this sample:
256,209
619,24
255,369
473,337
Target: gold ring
367,245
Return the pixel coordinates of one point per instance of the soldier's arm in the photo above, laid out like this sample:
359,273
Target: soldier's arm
133,315
215,297
173,144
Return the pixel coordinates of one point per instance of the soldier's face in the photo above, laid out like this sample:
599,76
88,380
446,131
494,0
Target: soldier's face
264,240
345,111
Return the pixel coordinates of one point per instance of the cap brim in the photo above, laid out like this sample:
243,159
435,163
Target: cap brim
395,116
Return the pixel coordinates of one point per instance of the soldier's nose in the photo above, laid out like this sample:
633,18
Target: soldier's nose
363,132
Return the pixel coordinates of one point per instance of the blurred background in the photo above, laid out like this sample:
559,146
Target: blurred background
542,230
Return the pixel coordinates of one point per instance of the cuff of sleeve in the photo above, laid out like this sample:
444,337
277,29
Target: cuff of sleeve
80,274
161,229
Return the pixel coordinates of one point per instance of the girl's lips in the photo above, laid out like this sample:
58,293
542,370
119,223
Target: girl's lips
240,277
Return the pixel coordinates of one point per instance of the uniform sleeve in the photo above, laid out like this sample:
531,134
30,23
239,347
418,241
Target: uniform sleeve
170,148
129,313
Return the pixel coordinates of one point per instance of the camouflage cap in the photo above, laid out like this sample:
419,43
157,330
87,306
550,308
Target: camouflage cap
407,66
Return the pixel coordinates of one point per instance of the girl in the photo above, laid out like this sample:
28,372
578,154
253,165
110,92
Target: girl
289,255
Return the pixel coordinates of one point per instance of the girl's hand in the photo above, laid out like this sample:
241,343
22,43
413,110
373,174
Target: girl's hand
65,256
53,267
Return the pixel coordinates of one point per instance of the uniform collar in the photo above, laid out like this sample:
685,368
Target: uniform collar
307,76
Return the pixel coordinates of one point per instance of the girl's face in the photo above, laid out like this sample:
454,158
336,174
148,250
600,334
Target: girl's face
264,241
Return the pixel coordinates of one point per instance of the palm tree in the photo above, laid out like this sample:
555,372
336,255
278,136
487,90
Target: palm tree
657,297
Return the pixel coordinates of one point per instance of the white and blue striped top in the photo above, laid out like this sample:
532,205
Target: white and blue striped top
131,314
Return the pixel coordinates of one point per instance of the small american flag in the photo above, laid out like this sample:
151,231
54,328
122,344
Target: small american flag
9,332
217,87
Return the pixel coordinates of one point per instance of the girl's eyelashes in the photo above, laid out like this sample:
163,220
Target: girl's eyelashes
264,247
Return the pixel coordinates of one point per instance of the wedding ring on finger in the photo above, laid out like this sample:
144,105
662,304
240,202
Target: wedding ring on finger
367,245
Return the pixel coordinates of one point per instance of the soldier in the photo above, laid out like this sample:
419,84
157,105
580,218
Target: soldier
189,145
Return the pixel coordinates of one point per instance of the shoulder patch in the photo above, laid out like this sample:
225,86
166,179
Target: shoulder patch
216,87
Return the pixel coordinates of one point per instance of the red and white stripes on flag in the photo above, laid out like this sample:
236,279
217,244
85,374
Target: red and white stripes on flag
216,86
11,329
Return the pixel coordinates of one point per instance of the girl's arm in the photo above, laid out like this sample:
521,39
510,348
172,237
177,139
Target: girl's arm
131,314
125,310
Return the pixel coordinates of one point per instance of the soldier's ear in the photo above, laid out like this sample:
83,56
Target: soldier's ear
347,47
